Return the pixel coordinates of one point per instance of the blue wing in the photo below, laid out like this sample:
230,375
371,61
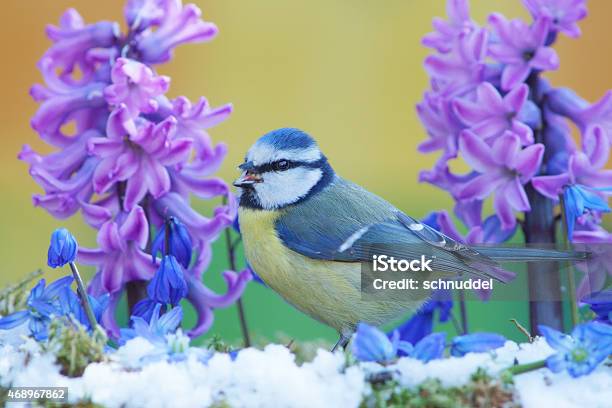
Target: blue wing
348,224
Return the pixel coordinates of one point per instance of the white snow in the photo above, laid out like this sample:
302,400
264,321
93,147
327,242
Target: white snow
271,377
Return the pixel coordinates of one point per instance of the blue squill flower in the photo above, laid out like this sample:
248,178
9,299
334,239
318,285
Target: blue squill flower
579,354
429,348
155,329
63,248
42,304
164,334
70,304
578,199
179,242
421,323
371,344
476,343
168,284
601,304
176,348
146,307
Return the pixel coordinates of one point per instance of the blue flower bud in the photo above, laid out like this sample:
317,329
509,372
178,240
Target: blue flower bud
371,344
179,241
476,343
63,248
430,348
168,284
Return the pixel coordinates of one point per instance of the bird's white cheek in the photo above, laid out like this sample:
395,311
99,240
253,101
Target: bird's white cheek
286,187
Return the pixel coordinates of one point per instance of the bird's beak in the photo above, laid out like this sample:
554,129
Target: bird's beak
248,178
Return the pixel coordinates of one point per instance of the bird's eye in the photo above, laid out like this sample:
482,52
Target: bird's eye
281,165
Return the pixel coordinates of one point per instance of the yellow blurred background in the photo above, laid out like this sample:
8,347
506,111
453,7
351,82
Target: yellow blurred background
347,71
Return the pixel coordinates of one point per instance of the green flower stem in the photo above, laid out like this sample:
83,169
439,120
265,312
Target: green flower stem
525,368
83,295
571,283
241,313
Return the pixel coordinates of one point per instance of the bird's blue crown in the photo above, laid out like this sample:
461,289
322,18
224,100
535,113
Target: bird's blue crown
288,139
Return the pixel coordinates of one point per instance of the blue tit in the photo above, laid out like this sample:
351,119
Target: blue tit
306,232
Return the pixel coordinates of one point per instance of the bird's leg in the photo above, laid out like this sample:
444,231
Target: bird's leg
342,342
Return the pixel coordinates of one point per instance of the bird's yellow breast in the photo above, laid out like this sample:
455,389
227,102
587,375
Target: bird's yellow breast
326,290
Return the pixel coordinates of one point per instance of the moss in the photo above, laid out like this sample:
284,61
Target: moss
304,351
482,391
74,347
216,343
14,297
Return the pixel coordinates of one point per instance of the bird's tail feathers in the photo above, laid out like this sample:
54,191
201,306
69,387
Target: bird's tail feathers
504,254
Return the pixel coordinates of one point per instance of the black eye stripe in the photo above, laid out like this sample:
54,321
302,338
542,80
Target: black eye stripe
291,164
279,165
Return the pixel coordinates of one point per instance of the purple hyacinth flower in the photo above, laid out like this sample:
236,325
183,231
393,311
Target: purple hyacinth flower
584,167
62,196
128,146
491,115
73,41
194,119
579,354
141,14
441,124
135,86
139,156
504,168
63,103
563,14
179,25
565,102
442,177
476,343
121,257
201,227
446,32
168,284
205,300
461,70
521,47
